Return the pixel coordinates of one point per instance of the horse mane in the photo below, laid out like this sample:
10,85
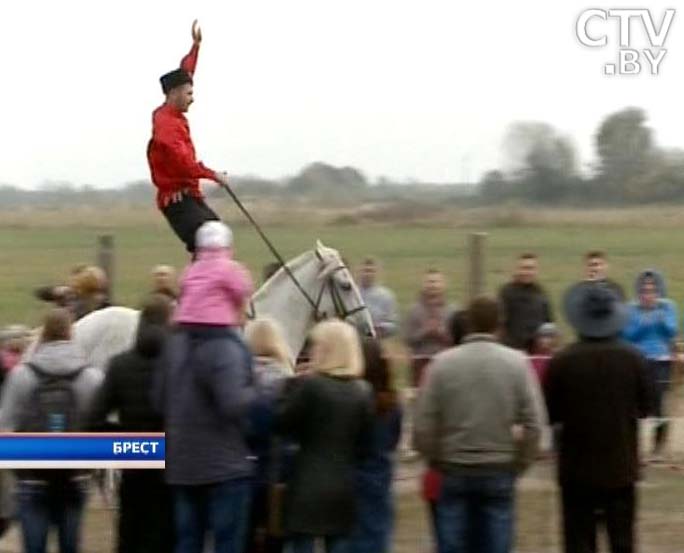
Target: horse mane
293,265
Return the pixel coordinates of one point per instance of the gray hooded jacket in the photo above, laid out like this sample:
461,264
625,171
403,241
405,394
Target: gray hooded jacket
58,358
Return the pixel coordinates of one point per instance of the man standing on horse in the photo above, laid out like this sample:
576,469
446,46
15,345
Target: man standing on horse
171,153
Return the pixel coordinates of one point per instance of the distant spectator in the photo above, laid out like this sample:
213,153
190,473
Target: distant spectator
526,306
62,295
596,270
272,366
651,327
374,475
546,344
50,497
165,282
145,508
379,299
478,419
14,340
426,331
328,412
91,289
596,390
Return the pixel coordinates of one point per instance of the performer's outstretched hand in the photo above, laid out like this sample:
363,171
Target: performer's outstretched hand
196,32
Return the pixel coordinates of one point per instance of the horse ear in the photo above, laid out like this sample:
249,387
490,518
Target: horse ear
325,270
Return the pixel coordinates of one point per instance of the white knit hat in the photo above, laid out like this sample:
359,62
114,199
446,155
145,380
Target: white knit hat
213,235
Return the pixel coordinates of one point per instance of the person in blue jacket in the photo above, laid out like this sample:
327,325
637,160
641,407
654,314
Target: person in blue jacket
651,328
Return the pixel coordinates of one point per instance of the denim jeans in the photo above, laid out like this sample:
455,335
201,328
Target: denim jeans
475,513
59,503
375,514
306,544
221,508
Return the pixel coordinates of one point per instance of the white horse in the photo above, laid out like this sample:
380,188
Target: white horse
316,285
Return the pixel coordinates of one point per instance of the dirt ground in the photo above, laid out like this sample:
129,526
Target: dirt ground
660,528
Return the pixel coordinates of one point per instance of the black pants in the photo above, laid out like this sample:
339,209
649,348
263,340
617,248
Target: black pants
186,216
583,508
145,513
660,380
258,538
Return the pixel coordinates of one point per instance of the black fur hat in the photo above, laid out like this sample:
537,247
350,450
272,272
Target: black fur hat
174,79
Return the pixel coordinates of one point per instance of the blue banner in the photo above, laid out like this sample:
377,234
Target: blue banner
82,448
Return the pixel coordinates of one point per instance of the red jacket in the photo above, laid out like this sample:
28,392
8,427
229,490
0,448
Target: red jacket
170,152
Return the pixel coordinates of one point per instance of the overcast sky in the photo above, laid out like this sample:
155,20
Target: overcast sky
408,89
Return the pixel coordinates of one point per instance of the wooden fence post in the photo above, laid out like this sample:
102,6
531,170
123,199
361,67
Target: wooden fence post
105,260
476,254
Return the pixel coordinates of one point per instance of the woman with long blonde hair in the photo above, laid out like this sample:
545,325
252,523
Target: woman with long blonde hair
328,412
266,342
272,366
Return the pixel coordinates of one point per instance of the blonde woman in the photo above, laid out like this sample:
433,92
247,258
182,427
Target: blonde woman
272,357
272,366
328,412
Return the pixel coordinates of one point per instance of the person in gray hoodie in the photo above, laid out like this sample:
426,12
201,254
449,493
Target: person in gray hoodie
478,421
49,497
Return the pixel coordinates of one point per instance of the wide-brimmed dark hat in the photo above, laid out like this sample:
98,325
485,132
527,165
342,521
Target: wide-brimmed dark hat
594,310
174,79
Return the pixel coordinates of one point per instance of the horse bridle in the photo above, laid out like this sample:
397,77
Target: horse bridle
341,311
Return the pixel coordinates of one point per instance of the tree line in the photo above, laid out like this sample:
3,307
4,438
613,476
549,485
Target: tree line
541,167
630,167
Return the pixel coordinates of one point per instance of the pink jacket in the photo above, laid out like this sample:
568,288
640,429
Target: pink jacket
213,290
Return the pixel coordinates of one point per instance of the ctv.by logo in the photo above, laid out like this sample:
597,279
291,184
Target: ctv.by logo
630,59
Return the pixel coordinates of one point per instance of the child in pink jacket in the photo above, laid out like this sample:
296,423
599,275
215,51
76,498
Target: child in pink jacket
214,288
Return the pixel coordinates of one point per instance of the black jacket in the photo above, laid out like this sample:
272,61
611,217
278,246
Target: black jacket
332,420
597,390
128,384
526,307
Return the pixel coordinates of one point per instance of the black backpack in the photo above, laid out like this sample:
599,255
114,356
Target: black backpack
53,405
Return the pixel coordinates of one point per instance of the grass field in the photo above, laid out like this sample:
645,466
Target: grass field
40,247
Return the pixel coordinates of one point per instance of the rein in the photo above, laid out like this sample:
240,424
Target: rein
341,310
270,247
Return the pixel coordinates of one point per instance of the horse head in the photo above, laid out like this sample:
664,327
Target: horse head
339,296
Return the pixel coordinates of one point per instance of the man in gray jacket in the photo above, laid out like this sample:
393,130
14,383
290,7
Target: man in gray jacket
478,421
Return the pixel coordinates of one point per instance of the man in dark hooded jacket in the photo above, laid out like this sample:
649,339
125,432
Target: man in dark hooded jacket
145,508
525,304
